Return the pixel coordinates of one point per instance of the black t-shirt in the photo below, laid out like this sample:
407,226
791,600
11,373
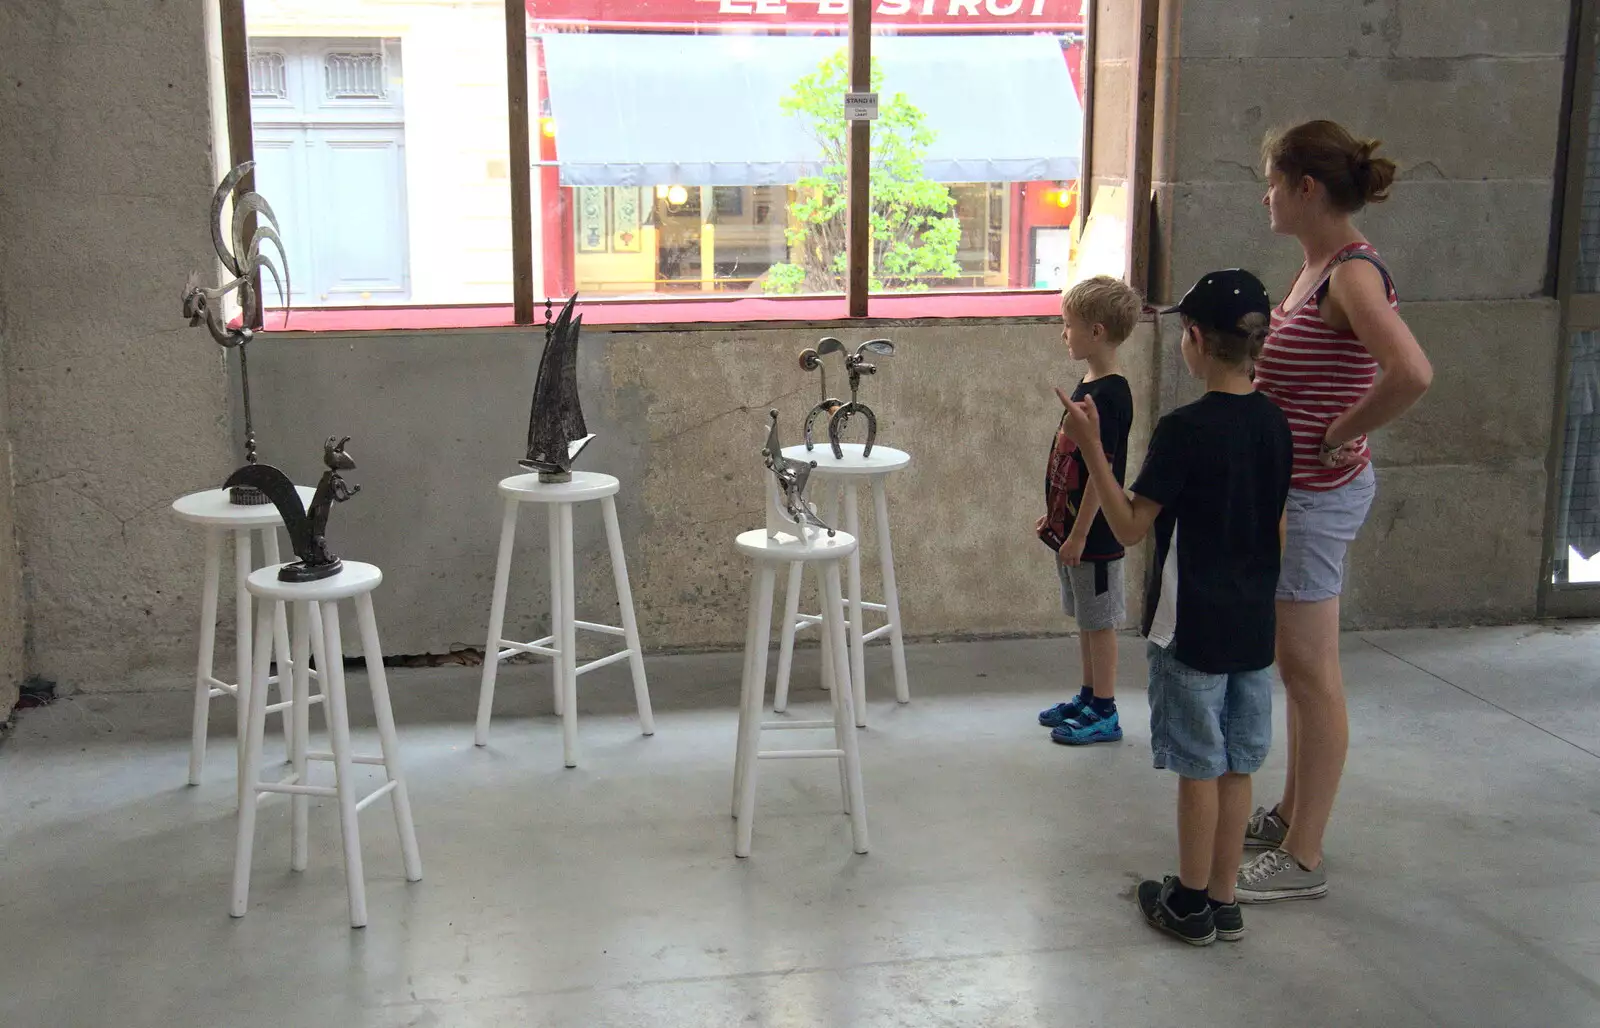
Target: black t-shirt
1066,475
1219,467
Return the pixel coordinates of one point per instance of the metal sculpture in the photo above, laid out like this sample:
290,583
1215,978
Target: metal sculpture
839,411
308,529
556,432
244,261
787,504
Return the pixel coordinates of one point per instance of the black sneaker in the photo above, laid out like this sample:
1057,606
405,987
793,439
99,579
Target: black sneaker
1230,921
1155,903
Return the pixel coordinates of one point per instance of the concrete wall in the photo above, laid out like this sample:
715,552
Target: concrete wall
116,407
1467,98
438,418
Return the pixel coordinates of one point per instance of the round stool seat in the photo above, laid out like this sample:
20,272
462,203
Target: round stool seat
883,459
353,579
211,507
787,549
585,485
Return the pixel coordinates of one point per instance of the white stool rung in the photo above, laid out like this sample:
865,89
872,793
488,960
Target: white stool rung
877,633
799,754
793,726
602,629
273,708
538,648
383,790
603,661
325,755
292,789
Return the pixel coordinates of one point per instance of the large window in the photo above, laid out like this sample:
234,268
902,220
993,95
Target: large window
678,148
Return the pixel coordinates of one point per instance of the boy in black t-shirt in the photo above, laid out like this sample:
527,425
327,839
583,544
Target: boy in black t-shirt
1097,315
1213,488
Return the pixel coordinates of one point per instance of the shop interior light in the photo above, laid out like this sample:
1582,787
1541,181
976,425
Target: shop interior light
677,195
548,127
661,192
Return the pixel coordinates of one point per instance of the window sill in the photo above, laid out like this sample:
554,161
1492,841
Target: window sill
688,314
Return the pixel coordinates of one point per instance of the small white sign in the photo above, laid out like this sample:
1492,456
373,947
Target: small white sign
861,106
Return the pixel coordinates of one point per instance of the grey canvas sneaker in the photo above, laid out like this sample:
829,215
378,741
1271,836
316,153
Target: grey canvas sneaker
1276,876
1265,830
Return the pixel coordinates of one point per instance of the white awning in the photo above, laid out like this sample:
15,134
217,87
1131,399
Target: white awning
642,110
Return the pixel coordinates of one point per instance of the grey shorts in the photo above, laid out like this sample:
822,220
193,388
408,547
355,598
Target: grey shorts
1322,525
1205,725
1092,594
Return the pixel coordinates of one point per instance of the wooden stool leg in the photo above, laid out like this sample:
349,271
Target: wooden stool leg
569,643
384,713
741,749
791,613
243,664
280,644
847,739
497,621
858,646
558,690
630,624
891,592
209,588
344,776
300,654
250,764
755,697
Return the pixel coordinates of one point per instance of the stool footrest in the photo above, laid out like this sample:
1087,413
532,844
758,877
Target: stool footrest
297,790
793,726
603,661
602,629
383,790
539,648
799,754
877,633
325,755
221,688
273,708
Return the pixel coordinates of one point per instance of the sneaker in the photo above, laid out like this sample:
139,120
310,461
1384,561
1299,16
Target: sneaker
1196,929
1275,876
1061,713
1265,830
1230,921
1088,727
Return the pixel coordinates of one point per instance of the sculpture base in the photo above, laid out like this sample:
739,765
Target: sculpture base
547,476
300,571
247,496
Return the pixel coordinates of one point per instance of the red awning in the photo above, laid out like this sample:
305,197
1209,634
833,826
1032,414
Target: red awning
823,15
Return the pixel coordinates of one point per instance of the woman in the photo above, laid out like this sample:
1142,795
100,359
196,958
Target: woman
1332,335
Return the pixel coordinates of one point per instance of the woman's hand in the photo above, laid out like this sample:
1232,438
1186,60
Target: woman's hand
1339,456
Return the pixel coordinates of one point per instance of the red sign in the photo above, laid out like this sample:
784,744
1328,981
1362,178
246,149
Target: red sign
913,15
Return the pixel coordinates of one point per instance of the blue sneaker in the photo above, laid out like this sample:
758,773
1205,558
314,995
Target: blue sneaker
1088,727
1061,713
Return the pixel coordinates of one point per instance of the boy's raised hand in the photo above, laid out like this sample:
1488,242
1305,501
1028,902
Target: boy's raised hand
1083,420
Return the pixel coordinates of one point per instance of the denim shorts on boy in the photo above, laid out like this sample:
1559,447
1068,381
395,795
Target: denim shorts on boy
1092,594
1322,525
1204,725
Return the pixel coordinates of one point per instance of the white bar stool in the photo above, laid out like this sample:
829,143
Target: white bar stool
211,510
316,605
845,474
824,554
561,643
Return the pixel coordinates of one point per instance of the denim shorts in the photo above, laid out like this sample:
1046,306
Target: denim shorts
1204,725
1092,595
1322,525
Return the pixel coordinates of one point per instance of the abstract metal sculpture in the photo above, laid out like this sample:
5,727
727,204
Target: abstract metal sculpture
840,412
308,529
244,261
556,432
788,511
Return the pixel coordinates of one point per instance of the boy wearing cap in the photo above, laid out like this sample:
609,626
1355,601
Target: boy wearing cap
1212,488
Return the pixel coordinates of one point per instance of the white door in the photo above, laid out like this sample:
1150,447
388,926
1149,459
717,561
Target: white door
329,134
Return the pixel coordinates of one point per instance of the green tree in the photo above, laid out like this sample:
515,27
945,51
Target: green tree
913,232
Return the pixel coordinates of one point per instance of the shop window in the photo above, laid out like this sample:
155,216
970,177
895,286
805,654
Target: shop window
679,148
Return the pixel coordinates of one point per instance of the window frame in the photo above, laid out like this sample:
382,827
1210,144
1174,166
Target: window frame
1580,312
235,61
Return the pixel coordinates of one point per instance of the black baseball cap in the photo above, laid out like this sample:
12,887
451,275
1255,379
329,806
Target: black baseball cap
1221,299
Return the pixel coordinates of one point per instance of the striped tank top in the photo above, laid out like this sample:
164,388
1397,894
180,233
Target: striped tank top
1314,373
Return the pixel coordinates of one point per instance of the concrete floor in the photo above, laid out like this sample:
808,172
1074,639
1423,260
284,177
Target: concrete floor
1463,859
